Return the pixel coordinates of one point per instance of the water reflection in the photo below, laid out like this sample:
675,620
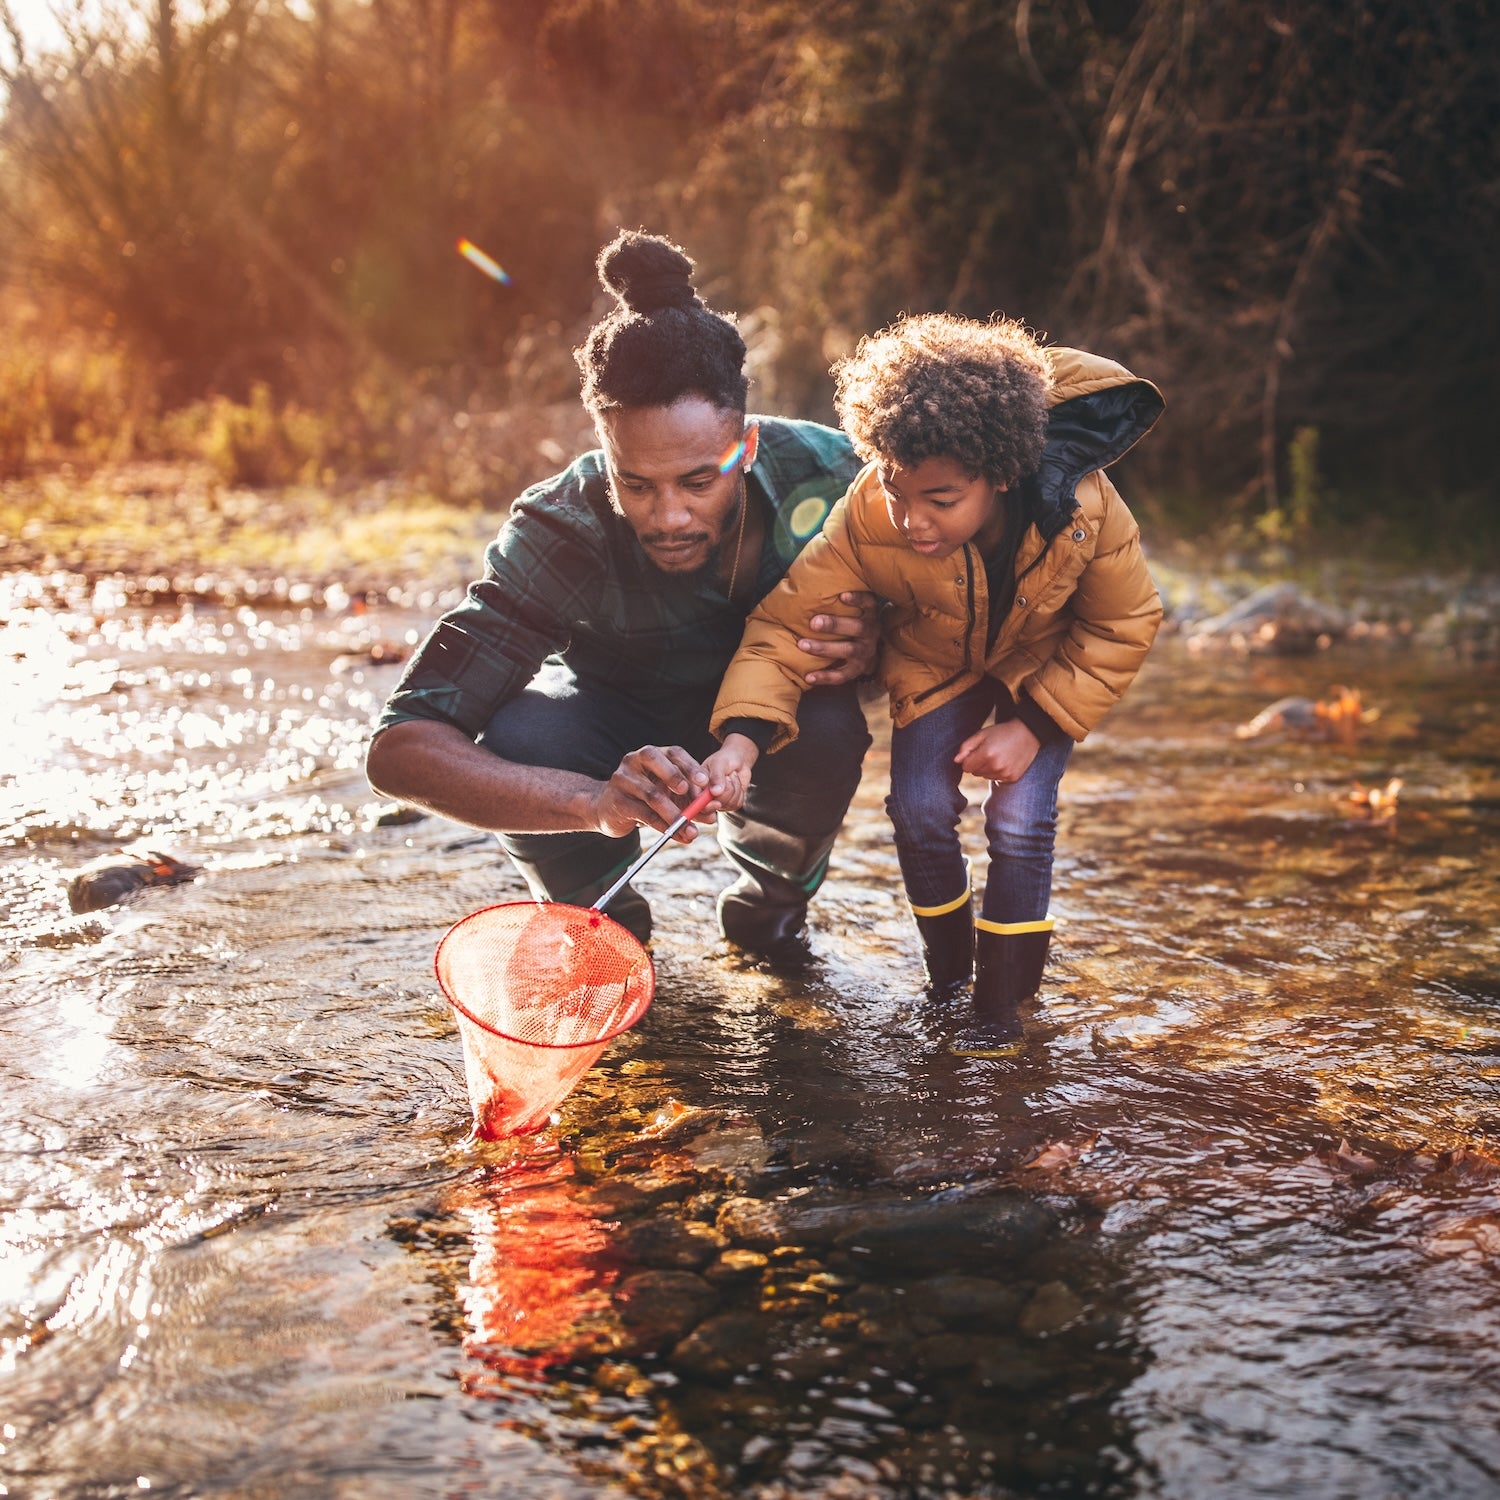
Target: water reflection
1231,1227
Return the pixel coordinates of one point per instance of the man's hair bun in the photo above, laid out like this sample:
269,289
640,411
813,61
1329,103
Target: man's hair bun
646,273
661,342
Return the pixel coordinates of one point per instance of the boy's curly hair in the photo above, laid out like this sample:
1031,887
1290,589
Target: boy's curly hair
935,386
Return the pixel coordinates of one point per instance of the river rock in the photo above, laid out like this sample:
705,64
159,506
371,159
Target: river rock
927,1236
721,1347
735,1265
752,1223
660,1308
669,1244
1278,617
968,1301
1052,1307
108,880
1009,1366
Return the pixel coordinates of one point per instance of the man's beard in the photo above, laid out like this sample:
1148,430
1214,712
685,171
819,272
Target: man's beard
708,570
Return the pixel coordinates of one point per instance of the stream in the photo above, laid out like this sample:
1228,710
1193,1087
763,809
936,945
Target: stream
1229,1228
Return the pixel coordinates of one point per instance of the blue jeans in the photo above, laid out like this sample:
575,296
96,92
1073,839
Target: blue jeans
926,803
780,840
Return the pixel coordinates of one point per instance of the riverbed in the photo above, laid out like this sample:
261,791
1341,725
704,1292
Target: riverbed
1230,1226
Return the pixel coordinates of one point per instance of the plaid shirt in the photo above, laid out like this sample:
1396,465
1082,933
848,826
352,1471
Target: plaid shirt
566,580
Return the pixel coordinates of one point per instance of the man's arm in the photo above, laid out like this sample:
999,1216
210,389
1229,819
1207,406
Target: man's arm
435,766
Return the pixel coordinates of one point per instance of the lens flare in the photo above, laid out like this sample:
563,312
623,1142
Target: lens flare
732,455
808,516
475,256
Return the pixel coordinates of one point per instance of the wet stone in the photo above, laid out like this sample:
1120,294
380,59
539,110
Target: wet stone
670,1244
1052,1307
749,1222
931,1236
662,1307
735,1266
614,1200
1009,1367
810,1361
943,1353
721,1347
966,1301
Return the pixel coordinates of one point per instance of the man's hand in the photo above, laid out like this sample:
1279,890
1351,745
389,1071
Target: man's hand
649,789
855,641
1003,752
729,771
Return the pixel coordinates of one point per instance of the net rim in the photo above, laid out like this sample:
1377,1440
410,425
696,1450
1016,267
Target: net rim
464,1011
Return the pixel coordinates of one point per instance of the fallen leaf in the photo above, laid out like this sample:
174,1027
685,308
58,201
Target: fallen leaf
1477,1238
1354,1161
1059,1154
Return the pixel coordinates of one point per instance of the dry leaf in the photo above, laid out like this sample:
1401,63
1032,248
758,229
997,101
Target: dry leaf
1354,1161
1060,1154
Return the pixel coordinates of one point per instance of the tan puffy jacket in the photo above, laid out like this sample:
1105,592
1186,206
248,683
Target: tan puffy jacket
1083,615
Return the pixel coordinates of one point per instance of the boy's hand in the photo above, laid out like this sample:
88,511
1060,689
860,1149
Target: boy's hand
729,770
1003,752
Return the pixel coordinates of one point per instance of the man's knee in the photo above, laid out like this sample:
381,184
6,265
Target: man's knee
821,767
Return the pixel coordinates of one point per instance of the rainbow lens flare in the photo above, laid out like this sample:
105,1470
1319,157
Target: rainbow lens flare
732,455
475,256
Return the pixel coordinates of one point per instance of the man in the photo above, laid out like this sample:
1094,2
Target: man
564,705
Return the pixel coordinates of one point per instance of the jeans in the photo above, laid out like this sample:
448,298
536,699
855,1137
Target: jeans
1020,818
780,840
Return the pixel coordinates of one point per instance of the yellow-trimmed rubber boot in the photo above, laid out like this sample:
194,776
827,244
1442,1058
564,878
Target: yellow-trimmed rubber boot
947,934
1008,964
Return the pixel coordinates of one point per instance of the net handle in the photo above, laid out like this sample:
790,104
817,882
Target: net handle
690,812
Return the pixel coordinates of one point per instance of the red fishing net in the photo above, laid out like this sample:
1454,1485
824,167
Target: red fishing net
539,990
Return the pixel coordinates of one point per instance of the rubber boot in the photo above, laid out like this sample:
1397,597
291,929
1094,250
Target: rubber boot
1008,961
764,912
947,948
578,868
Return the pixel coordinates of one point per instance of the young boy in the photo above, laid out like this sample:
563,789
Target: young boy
1016,593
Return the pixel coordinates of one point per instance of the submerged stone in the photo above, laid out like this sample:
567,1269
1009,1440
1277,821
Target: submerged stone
1052,1307
661,1307
721,1347
670,1244
967,1300
108,880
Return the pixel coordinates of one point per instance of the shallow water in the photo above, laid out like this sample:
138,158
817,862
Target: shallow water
1230,1228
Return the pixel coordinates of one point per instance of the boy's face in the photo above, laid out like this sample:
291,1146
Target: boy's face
939,505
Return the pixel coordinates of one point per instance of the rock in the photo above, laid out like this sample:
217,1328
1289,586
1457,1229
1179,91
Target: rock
1278,617
1012,1367
934,1236
752,1223
967,1300
905,1234
1052,1307
721,1347
661,1307
670,1244
108,880
735,1265
944,1353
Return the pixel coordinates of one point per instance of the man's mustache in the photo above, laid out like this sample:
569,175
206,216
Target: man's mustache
673,539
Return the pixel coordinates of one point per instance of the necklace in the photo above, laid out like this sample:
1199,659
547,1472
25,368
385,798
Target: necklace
734,571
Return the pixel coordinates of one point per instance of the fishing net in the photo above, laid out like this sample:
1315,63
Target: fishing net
539,991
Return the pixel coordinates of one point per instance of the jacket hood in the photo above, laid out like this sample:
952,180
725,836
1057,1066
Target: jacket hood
1099,411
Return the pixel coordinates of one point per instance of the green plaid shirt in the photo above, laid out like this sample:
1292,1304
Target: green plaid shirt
566,580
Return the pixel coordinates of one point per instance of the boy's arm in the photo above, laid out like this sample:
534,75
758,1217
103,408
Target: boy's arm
766,679
1116,611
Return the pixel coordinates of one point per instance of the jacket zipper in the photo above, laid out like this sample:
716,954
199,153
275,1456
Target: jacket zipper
968,634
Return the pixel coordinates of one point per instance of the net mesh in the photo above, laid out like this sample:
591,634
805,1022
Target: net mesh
539,991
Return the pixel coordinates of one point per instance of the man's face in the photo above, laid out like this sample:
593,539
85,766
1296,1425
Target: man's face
675,474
